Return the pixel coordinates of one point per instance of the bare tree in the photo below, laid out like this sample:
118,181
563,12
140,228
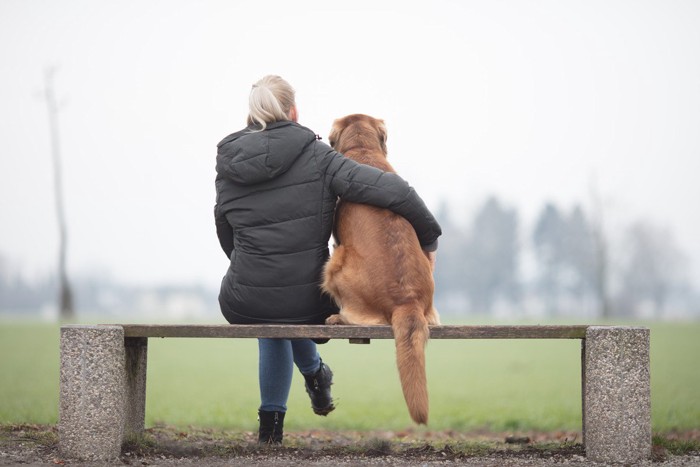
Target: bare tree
65,301
601,257
548,240
654,267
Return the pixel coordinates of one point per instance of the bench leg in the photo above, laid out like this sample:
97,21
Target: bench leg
135,409
92,391
616,394
583,390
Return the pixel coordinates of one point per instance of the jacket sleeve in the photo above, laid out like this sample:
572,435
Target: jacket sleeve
224,231
368,185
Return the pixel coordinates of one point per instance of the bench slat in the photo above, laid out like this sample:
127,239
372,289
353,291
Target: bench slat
351,332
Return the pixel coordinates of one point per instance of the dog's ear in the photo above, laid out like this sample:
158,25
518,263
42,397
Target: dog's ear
334,134
381,132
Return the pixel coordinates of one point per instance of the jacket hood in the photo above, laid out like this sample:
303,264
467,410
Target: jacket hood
249,157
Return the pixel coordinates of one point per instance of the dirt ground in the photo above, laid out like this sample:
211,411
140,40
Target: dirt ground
168,446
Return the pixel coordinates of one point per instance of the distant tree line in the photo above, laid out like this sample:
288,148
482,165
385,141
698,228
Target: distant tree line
101,296
566,265
19,295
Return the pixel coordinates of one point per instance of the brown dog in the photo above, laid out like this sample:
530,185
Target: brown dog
378,273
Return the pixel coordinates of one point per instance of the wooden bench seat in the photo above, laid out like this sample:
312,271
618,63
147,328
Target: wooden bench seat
350,332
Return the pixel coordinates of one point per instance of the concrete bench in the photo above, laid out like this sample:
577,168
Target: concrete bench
103,379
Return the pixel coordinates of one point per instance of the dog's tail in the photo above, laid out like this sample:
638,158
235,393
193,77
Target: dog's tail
411,333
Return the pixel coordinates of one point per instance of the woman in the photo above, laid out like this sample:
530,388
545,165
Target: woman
277,186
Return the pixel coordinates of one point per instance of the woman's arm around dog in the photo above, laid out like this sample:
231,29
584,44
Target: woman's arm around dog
368,185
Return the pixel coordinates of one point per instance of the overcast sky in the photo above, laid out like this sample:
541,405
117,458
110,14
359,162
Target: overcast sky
531,100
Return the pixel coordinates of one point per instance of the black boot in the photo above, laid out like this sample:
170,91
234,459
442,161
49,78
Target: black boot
271,427
318,386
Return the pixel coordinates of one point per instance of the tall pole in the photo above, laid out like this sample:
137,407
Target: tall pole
65,300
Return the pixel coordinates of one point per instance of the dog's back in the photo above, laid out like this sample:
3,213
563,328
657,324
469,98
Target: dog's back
378,273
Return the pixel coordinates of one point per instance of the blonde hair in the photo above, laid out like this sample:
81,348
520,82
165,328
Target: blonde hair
271,99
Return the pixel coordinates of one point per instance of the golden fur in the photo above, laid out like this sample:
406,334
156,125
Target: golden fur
378,273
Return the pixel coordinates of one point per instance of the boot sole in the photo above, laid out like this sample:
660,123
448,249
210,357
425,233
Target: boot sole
325,411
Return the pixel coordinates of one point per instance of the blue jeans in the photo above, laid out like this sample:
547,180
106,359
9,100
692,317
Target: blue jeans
276,366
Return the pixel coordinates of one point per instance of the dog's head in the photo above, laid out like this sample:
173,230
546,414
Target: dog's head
358,131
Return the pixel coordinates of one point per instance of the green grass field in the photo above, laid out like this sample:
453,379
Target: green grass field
493,384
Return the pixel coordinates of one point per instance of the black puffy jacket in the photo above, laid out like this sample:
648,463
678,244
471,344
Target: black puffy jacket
276,192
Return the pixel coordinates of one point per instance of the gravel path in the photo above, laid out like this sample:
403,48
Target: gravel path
167,446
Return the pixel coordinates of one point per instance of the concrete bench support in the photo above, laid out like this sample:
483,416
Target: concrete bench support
135,365
616,394
92,391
